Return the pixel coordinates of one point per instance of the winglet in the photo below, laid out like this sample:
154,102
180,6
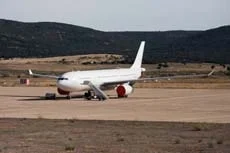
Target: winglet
30,72
211,72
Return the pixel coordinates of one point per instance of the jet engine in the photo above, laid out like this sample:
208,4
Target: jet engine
62,92
124,90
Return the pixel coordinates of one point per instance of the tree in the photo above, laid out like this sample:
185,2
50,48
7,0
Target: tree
228,71
228,68
63,61
213,66
159,66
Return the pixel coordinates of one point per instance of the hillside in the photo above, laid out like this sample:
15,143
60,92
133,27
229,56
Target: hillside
46,39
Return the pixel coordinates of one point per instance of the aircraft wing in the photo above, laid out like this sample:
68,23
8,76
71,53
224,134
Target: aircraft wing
178,76
42,75
99,93
131,82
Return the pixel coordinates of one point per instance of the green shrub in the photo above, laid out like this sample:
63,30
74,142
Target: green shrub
69,148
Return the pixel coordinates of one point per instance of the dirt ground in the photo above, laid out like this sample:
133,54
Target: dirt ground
156,118
75,136
189,105
68,131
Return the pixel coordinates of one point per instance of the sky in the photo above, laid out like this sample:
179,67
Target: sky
122,15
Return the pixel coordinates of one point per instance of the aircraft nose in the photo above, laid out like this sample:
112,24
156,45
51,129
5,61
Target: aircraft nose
62,83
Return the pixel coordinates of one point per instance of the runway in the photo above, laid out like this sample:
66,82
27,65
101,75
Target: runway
187,105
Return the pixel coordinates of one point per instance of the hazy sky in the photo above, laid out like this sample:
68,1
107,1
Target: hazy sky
122,15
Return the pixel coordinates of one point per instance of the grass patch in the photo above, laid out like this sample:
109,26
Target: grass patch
177,141
219,141
120,139
210,145
70,139
69,148
200,127
71,120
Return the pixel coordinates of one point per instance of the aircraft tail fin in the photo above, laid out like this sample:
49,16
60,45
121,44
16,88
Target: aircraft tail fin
138,61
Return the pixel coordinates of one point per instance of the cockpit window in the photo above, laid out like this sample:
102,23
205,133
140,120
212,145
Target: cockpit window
62,79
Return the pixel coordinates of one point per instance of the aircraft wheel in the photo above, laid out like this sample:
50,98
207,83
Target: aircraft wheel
68,97
88,95
101,98
126,96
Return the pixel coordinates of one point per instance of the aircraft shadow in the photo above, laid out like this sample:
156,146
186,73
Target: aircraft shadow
17,96
42,98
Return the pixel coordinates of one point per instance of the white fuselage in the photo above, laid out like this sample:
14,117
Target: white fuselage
74,81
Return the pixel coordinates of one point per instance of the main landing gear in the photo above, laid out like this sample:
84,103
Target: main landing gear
88,95
91,95
68,97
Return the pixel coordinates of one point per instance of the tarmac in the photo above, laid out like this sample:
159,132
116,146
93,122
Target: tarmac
145,104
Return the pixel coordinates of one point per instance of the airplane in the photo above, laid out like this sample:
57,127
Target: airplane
95,81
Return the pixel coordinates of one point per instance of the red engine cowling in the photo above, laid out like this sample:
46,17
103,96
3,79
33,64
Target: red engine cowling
62,92
124,90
